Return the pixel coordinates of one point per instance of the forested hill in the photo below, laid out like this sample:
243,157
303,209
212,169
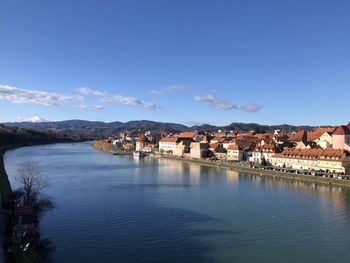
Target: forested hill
96,129
21,136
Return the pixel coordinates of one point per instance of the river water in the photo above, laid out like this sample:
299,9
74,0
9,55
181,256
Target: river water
121,209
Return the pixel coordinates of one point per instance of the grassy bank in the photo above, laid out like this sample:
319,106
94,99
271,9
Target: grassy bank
291,176
108,147
5,187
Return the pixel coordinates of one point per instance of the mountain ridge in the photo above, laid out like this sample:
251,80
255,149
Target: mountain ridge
98,129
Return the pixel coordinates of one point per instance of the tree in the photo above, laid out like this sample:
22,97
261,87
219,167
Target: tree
263,162
32,182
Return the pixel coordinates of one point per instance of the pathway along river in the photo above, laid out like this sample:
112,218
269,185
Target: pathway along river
120,209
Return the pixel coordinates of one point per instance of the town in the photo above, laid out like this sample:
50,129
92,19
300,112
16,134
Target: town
324,151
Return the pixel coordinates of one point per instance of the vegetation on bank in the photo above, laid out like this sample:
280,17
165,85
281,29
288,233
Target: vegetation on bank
19,136
108,147
13,137
5,187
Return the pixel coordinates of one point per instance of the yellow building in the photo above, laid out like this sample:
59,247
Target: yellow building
328,160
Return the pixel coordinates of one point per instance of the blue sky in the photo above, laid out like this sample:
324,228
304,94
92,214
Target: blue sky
184,61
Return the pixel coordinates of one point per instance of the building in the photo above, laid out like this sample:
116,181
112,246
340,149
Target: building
141,141
263,152
181,149
328,160
199,150
168,144
218,151
234,153
341,138
325,141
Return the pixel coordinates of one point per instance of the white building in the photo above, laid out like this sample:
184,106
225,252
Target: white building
168,144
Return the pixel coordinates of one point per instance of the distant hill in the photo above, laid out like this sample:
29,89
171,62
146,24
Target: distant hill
95,129
21,136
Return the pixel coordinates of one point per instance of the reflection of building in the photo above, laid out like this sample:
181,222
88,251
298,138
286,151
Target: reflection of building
232,176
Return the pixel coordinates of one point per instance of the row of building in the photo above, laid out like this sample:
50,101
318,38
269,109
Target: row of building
322,149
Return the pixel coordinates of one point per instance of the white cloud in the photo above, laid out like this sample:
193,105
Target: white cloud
168,89
17,95
119,99
132,101
91,92
220,104
93,107
35,119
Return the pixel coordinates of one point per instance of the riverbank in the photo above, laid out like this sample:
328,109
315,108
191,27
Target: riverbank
102,146
108,147
5,186
271,173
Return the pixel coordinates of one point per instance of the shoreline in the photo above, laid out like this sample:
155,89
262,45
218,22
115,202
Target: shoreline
274,174
5,186
108,148
270,173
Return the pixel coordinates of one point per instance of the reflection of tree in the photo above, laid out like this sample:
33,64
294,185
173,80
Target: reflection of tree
29,204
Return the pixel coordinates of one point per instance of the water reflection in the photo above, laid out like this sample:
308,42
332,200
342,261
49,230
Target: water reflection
117,208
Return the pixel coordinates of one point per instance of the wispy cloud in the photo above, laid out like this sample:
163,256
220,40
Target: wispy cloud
220,104
168,89
119,99
132,101
92,107
91,92
35,119
17,95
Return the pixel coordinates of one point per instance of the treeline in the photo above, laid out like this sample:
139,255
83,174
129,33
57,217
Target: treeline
20,136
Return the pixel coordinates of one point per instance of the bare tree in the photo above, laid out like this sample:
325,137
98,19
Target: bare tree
31,180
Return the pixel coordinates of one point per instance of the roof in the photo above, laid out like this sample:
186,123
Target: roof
142,138
213,145
234,147
168,139
315,154
266,148
187,135
342,130
298,136
317,133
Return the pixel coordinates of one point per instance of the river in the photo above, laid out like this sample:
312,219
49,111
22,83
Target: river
121,209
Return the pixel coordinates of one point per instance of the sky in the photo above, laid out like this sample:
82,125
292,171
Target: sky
183,61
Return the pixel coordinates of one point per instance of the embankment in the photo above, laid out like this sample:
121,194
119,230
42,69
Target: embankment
108,147
276,174
5,187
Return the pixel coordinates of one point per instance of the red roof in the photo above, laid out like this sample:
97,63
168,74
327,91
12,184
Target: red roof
266,148
298,136
187,135
328,154
342,130
168,139
317,133
234,147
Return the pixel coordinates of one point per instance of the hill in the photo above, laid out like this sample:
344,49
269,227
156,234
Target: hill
21,136
96,129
